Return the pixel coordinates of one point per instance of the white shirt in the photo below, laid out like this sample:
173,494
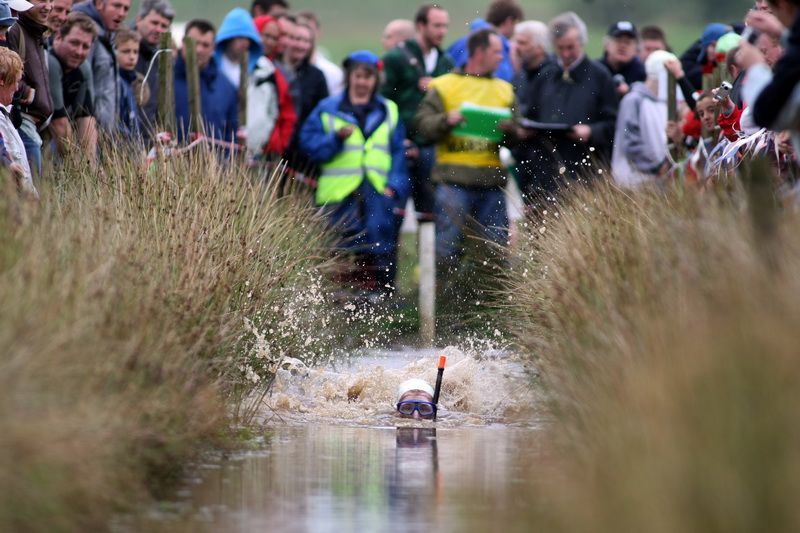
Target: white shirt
431,58
16,151
231,70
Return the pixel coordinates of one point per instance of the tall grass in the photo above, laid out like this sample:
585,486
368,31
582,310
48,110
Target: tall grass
132,308
666,334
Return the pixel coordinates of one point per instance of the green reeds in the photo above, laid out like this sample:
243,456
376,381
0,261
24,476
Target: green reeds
132,305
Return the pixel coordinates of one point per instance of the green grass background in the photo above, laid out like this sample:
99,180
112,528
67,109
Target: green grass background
354,24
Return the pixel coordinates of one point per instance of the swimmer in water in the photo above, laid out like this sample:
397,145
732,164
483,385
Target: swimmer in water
416,400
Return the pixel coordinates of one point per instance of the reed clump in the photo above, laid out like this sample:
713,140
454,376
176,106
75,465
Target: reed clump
130,299
665,330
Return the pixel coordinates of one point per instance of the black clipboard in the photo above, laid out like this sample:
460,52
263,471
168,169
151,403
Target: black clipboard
553,127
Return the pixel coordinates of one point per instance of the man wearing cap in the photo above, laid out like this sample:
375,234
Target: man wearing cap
358,140
621,57
7,20
415,399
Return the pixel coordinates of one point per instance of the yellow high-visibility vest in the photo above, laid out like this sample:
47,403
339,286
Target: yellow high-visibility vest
360,157
457,89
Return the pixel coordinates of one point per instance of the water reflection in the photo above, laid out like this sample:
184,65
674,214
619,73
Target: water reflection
337,479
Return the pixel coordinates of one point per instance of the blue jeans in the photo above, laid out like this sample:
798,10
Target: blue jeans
366,223
422,191
33,149
454,204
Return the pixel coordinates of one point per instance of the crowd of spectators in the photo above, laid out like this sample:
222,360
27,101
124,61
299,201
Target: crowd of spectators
71,75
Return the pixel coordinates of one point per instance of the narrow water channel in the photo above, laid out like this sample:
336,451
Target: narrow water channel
337,459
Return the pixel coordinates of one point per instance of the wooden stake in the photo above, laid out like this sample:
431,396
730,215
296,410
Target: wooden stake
193,84
427,281
165,115
244,80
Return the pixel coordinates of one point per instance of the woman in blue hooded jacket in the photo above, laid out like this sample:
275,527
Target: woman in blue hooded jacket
237,35
358,140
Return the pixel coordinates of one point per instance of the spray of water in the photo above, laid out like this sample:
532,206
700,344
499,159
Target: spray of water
481,386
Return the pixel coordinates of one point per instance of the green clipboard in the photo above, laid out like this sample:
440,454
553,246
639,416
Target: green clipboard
480,122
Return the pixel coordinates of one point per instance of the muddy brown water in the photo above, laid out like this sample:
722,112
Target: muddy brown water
333,463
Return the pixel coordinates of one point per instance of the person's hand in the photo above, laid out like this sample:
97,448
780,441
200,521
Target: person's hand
389,192
623,89
454,118
29,96
765,22
674,132
345,132
783,141
510,128
17,170
748,55
726,105
581,132
412,151
675,68
423,83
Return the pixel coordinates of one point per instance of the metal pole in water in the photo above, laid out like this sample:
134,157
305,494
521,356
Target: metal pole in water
427,281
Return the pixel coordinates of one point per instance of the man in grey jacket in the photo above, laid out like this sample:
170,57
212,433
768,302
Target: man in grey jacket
109,15
640,143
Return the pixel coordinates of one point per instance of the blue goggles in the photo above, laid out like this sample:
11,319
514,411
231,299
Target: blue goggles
425,409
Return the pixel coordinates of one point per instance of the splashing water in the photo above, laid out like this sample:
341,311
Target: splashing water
481,386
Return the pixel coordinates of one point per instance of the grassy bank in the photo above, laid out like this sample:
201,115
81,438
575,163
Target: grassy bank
665,327
137,307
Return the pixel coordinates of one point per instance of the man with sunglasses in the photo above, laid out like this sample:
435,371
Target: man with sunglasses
416,400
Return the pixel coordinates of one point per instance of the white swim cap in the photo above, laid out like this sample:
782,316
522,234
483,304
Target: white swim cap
414,384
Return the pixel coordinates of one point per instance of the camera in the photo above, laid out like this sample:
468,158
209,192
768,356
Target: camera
723,92
619,79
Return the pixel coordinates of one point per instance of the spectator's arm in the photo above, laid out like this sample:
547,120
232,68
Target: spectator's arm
605,121
431,119
320,146
61,130
399,180
392,72
638,151
87,136
688,92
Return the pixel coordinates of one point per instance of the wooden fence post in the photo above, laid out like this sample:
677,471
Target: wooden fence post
672,109
193,86
166,90
427,282
244,80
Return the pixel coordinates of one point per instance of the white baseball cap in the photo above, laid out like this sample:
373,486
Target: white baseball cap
19,5
414,384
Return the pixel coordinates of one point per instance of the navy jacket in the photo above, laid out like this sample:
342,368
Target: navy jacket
786,76
219,101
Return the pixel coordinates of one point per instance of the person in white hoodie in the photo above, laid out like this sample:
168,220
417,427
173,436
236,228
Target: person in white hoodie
14,149
640,142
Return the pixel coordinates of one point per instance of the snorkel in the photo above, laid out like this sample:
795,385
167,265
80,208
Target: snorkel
438,389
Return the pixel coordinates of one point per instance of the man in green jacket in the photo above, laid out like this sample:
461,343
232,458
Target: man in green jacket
409,69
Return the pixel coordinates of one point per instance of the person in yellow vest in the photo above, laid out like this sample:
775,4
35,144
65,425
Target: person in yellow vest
469,177
359,142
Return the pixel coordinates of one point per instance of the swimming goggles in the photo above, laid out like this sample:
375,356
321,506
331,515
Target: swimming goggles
425,409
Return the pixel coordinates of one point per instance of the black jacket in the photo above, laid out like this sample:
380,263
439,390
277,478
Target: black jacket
146,54
632,71
786,75
585,95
